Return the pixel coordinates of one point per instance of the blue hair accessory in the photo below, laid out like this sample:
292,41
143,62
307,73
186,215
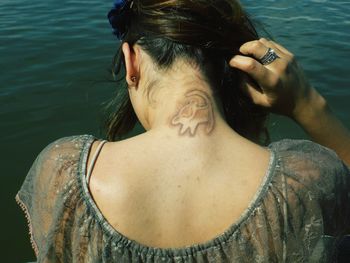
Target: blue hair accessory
119,17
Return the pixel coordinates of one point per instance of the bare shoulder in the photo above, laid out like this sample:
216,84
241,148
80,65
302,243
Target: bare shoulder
113,151
116,160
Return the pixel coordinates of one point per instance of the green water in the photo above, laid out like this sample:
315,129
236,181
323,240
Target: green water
54,61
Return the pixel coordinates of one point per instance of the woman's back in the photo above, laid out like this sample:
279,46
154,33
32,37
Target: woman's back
175,192
298,213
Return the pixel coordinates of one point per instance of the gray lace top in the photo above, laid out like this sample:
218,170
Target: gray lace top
299,213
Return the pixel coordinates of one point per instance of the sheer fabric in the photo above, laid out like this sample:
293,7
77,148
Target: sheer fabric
299,213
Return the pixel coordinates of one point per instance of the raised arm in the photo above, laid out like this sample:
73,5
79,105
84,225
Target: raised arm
282,87
318,120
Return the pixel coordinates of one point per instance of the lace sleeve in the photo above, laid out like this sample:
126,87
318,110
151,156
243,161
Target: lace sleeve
323,174
336,199
333,186
39,194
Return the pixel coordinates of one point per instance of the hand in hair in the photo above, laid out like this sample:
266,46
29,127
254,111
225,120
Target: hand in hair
282,87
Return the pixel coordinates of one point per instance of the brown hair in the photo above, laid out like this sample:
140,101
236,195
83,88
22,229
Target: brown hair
208,32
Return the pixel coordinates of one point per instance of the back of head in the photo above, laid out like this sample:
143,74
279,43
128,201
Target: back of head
206,32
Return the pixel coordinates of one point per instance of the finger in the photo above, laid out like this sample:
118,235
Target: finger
258,50
283,49
280,52
265,41
254,48
269,44
252,67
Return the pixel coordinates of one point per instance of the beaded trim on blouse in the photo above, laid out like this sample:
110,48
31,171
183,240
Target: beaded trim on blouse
123,241
29,223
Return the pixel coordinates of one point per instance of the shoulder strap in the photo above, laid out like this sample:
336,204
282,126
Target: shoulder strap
94,158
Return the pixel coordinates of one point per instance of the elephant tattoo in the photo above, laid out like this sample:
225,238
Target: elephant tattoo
198,110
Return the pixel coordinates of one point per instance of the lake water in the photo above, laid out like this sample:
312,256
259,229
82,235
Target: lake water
54,61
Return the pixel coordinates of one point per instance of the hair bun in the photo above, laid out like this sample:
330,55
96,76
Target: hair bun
119,17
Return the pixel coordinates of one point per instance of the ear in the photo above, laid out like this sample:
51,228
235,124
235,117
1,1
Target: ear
131,64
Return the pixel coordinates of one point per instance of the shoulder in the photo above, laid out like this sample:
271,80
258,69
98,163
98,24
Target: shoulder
56,159
298,145
305,149
51,182
312,164
63,149
318,180
65,145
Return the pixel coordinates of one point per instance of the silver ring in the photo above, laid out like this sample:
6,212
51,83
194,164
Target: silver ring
269,57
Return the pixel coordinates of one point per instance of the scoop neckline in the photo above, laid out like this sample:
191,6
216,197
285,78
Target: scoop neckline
185,251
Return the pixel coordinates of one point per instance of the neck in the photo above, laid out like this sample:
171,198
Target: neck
187,109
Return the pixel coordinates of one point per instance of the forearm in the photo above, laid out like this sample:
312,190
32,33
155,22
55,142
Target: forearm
317,119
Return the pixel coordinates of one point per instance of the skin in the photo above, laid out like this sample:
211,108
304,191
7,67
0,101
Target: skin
284,89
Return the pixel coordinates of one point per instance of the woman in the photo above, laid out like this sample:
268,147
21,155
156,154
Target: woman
197,186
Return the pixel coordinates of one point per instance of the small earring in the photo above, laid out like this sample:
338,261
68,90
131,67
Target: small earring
133,79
